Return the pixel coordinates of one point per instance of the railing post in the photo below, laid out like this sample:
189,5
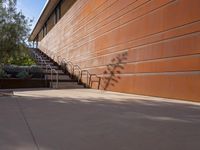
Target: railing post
90,80
99,83
51,78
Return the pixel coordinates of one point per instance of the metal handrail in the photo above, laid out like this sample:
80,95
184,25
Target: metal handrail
80,75
79,72
99,81
72,70
88,76
73,67
53,70
44,63
70,64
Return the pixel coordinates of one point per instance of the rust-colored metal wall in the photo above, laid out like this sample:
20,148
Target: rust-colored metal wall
158,40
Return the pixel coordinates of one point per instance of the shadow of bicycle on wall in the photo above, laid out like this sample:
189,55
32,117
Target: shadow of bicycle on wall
112,74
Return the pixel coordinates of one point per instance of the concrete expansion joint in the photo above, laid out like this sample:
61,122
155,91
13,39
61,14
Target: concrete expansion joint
27,125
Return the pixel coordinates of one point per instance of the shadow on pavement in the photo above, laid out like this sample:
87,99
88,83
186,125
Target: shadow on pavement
105,123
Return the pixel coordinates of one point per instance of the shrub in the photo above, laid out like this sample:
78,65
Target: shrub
35,69
25,60
12,69
30,69
23,75
15,71
3,74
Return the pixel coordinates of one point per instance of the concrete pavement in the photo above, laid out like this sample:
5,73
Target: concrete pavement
82,119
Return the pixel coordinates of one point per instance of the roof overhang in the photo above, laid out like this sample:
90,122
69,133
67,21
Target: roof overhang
46,12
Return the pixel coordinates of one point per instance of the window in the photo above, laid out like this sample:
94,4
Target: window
66,5
62,7
57,14
50,22
45,29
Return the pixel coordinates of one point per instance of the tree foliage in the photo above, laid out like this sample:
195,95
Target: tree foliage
14,32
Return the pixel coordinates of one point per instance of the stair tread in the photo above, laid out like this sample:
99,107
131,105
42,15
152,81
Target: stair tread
46,62
60,77
65,82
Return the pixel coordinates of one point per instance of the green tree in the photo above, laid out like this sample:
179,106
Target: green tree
14,32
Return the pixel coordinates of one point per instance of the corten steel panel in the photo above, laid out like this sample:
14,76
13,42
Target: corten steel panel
179,64
173,86
161,39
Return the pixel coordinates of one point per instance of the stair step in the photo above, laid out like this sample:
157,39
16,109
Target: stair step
67,85
60,77
48,63
53,67
49,71
65,82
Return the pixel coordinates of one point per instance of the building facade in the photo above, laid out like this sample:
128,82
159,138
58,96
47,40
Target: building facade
148,47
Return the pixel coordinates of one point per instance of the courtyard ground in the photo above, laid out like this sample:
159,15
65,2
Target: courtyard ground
85,119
